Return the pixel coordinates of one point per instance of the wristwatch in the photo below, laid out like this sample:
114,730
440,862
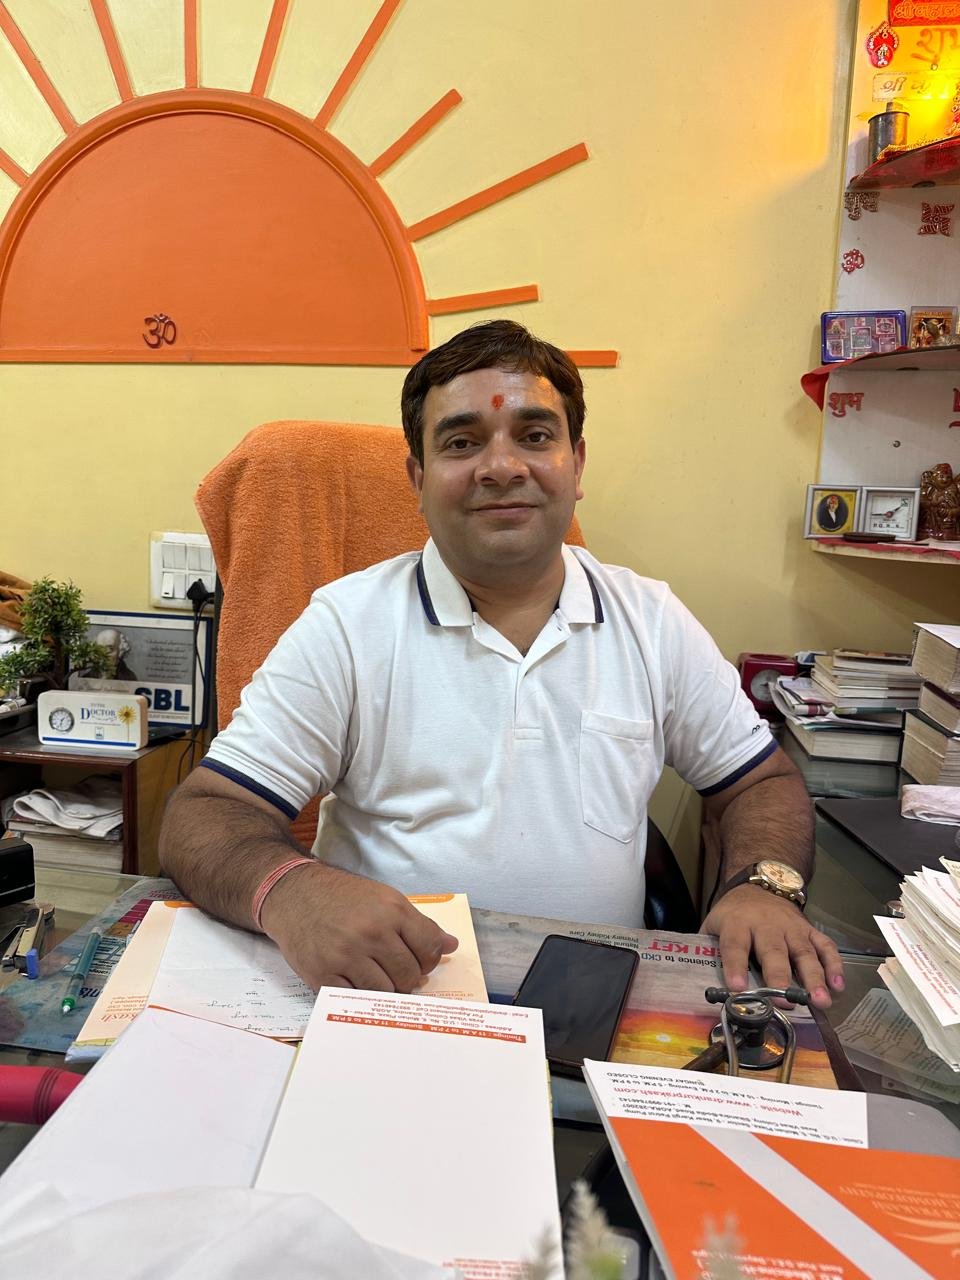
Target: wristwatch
776,877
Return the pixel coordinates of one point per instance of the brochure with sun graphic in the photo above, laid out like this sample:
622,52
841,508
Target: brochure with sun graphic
745,1177
426,1125
666,1021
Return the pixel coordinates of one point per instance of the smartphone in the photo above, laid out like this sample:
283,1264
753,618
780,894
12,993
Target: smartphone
581,988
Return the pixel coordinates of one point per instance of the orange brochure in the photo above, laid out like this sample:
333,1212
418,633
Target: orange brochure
740,1194
459,975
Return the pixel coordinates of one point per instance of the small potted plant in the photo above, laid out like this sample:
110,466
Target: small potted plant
55,644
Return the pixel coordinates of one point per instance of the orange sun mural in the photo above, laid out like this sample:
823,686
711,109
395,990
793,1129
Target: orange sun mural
207,225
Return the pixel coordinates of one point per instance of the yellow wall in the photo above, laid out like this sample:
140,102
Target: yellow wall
699,240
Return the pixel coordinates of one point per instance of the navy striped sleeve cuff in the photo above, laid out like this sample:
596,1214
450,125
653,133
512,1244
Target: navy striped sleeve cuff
744,769
257,788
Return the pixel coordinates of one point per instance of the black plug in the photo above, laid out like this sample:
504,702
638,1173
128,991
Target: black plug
198,595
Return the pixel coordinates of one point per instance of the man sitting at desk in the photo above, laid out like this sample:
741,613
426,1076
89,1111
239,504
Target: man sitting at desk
490,716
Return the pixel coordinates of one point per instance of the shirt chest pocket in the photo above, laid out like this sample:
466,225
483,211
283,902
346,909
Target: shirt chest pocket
617,772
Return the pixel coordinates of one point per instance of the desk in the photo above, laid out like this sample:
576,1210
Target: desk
78,895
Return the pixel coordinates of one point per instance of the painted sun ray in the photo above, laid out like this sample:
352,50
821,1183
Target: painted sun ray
112,49
271,42
12,169
499,191
353,68
191,59
419,129
35,71
595,359
483,301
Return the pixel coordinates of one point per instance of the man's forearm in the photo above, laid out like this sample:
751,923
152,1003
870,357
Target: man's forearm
773,819
218,851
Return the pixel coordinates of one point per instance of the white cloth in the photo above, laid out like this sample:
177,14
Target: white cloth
201,1233
92,808
457,763
931,804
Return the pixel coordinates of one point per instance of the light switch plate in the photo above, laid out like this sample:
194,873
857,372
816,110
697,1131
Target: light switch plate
177,560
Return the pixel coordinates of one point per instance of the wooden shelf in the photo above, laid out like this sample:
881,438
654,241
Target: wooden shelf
935,165
903,360
929,553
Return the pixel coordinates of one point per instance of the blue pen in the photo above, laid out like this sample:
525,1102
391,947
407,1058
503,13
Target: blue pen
80,970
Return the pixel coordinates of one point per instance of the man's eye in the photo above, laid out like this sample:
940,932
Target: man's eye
459,444
537,437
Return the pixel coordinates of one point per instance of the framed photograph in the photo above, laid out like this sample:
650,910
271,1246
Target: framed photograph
832,510
932,326
155,656
847,334
890,510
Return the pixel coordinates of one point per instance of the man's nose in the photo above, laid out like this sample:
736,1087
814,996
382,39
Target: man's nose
502,463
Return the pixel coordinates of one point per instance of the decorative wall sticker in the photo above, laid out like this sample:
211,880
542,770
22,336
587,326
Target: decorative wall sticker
881,44
841,401
330,270
852,260
856,202
935,218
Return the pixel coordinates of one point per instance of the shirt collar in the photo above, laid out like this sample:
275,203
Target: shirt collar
446,604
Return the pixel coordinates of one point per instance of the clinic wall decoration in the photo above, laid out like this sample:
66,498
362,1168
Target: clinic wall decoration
210,225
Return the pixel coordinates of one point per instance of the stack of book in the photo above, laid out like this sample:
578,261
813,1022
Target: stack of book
924,975
852,705
931,740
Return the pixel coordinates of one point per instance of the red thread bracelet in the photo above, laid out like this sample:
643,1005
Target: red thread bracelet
268,882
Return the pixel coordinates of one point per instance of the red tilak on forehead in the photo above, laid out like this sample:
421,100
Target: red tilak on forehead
497,402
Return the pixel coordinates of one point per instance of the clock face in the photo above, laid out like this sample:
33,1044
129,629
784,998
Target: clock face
761,682
890,513
61,720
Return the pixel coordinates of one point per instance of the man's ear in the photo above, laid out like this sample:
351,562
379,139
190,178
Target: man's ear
415,476
579,462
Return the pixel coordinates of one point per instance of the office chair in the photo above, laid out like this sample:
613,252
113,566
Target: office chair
298,504
668,902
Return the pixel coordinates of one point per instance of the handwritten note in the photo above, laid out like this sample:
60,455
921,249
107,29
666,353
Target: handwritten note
215,971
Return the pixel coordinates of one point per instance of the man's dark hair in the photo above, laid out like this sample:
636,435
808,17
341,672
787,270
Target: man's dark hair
497,344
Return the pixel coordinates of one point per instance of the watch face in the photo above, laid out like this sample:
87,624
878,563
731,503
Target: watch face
61,720
782,877
889,513
760,684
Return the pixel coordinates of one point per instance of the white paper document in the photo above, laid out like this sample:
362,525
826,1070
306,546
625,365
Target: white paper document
728,1102
175,1102
224,974
935,987
426,1124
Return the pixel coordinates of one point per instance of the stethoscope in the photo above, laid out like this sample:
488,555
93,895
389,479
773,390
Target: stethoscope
752,1034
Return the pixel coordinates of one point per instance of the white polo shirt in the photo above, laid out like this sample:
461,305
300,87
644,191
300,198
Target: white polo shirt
455,763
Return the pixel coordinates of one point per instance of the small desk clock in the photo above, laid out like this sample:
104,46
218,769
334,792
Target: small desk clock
758,671
90,718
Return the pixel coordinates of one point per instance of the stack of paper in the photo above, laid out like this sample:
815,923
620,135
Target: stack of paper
426,1125
924,976
182,959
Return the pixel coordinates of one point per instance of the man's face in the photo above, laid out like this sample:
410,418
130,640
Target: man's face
499,479
832,503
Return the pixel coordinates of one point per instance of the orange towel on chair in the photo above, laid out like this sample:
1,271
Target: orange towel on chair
295,505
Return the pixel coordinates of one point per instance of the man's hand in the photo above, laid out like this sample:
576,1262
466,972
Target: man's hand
341,930
748,919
